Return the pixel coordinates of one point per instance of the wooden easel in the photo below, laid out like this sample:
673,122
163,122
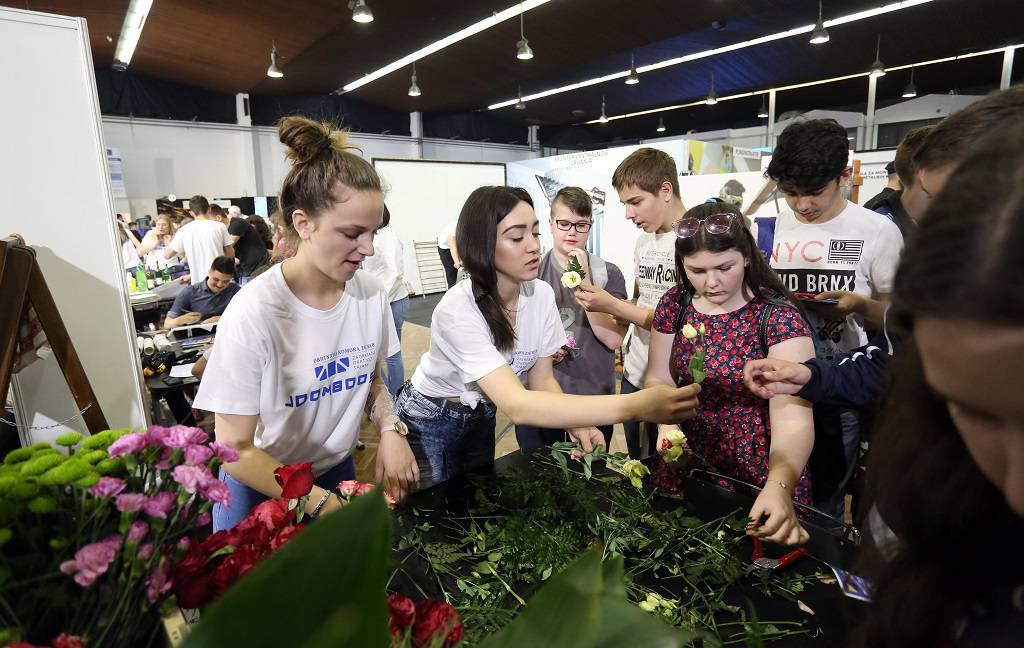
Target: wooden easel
21,283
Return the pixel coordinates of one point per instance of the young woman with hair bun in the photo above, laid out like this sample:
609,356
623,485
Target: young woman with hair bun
491,342
299,350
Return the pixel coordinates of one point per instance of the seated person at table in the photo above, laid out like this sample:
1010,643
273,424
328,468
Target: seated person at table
727,290
204,302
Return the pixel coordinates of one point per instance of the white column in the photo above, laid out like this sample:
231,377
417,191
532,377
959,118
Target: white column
416,130
870,135
533,137
771,119
1004,79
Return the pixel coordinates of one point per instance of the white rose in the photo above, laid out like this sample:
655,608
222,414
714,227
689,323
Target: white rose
676,437
689,332
571,279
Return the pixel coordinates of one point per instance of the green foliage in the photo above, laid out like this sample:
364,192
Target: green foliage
323,588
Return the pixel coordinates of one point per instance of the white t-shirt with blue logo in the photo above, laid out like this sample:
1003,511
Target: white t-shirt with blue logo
305,372
462,349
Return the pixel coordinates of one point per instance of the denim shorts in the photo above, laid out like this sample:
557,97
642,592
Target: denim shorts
448,439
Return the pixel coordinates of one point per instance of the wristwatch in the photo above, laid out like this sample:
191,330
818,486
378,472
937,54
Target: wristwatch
398,426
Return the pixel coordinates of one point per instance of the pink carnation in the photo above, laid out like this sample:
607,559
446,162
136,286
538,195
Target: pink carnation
145,551
570,342
182,436
204,518
348,487
192,478
226,453
198,454
159,505
165,460
130,502
137,532
92,560
156,434
107,487
128,444
363,489
216,491
159,581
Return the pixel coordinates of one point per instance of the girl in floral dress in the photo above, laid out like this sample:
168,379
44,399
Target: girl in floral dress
726,286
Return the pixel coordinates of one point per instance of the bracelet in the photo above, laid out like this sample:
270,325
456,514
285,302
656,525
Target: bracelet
319,505
779,482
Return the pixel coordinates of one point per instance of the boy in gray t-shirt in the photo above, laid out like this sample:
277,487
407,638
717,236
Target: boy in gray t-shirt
589,368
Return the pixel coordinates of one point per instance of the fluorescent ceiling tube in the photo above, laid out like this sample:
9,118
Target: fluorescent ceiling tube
451,39
796,31
131,31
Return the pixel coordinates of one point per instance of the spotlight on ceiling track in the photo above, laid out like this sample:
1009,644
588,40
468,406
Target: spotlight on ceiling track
633,77
878,68
820,35
661,125
520,105
762,113
603,118
273,71
360,12
414,89
911,90
712,97
523,51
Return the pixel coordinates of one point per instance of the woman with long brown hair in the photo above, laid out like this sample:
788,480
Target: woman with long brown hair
727,290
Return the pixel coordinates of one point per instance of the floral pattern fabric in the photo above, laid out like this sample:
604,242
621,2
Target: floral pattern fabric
731,431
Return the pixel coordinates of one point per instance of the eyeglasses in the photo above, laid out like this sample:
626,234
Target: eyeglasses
714,224
582,227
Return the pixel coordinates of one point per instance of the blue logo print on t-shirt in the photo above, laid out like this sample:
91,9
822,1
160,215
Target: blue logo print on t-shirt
325,371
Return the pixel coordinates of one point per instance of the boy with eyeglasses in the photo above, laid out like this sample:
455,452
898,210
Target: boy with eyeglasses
589,368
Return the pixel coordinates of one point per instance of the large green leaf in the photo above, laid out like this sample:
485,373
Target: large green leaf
326,587
585,606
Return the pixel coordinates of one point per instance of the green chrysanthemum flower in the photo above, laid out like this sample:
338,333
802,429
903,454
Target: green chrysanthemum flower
109,466
69,439
98,441
41,463
7,483
42,504
5,536
17,456
45,451
91,479
65,473
42,445
24,489
93,457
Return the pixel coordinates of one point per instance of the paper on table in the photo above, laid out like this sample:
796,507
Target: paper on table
182,371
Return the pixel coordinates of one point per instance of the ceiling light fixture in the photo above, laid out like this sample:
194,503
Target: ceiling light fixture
603,118
712,97
661,125
360,12
414,90
796,31
520,105
911,90
523,51
131,31
806,84
273,71
762,113
878,68
436,46
820,34
633,77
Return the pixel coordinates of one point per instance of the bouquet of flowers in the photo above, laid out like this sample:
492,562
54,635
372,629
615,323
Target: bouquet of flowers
672,445
90,531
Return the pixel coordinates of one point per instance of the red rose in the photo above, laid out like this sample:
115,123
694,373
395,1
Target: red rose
666,445
68,641
433,617
295,480
402,610
284,535
233,567
191,578
272,514
363,489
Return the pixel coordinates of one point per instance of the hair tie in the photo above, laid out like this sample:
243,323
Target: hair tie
326,144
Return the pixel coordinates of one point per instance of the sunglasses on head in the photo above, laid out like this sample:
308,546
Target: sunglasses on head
714,224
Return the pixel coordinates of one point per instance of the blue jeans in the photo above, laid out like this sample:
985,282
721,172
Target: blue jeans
633,429
533,437
395,374
244,498
447,438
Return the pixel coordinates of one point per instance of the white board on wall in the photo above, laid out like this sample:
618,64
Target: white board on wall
53,169
425,195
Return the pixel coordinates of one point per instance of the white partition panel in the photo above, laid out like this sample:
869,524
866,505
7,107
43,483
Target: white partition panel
53,175
424,195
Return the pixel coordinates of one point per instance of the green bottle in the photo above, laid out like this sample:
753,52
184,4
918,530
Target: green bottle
140,278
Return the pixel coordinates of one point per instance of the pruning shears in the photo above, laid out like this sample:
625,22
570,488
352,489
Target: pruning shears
764,567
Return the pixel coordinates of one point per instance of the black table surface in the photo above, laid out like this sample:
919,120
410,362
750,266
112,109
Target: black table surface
834,614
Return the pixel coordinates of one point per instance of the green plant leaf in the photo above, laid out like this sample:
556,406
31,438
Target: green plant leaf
324,588
585,606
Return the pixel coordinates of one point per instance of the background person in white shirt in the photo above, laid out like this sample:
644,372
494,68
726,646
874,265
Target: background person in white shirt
387,265
200,241
491,343
448,250
300,348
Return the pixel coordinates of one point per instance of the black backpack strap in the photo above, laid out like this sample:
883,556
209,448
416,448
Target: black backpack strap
762,326
684,301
